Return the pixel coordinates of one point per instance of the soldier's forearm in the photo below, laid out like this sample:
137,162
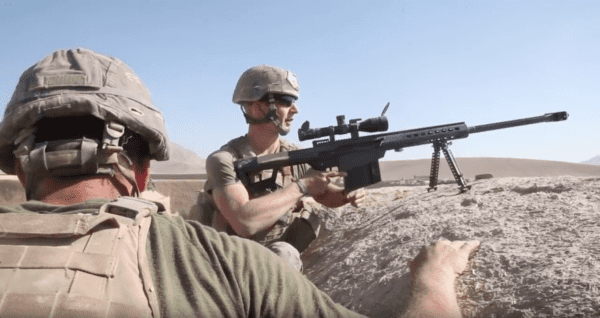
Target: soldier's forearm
261,213
432,297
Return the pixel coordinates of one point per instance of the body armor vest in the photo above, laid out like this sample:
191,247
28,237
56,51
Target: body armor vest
262,185
78,264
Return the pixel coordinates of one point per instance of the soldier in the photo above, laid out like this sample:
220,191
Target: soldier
275,215
79,132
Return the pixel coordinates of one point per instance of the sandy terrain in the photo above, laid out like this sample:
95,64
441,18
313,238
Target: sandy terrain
499,167
539,253
538,226
184,193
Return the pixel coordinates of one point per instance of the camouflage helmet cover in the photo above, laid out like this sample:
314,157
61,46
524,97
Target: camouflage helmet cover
260,80
77,83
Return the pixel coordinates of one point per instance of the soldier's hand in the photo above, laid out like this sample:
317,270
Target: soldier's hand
356,197
442,261
318,183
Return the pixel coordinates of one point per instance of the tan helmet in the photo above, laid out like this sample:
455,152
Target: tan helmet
266,83
74,83
260,80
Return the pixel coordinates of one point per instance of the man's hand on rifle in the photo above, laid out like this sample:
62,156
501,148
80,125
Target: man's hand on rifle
320,185
319,182
356,197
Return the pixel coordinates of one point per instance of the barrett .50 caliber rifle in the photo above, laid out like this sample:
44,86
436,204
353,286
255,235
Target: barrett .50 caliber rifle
359,156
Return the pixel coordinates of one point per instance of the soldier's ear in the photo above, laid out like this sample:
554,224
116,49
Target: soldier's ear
19,171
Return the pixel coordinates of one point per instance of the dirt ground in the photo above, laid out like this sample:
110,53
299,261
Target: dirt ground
182,193
539,253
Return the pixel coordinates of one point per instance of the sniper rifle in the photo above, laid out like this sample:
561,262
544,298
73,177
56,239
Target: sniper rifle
359,156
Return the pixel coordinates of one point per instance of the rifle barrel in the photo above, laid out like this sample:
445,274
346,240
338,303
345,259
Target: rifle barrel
549,117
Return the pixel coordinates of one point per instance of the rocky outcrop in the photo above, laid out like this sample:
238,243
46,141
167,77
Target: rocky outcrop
539,254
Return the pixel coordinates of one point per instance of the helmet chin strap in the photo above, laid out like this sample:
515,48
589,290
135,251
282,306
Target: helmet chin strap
271,116
128,173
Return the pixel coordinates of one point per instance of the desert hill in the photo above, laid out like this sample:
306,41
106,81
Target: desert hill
499,167
181,161
539,254
593,161
183,193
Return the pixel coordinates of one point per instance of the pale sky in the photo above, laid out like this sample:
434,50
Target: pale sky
436,62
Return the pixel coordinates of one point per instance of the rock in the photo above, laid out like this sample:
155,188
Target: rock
360,259
484,176
468,201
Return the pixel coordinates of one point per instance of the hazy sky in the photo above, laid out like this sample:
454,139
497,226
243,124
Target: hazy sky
436,62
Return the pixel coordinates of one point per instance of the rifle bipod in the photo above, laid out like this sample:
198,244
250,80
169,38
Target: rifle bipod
435,166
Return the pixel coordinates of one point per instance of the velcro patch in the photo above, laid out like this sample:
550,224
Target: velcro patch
293,80
64,80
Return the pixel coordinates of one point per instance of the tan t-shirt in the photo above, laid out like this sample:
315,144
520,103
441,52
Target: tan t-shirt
219,165
221,172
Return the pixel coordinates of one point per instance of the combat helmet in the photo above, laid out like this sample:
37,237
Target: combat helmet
266,83
72,84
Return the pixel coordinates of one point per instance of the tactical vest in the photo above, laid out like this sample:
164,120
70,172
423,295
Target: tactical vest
78,264
299,233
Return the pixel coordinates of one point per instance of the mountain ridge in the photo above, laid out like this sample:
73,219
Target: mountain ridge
592,161
181,161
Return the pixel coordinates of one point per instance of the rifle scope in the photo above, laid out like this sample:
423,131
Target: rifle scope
370,125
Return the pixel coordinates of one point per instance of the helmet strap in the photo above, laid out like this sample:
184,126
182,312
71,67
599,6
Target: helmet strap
69,157
266,119
112,134
271,116
125,166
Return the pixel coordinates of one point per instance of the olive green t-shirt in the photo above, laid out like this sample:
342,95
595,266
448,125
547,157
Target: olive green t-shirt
199,272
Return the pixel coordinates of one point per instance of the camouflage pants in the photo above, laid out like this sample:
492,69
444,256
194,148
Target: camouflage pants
286,251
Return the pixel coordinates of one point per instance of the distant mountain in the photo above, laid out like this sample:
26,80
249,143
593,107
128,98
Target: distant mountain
593,161
181,161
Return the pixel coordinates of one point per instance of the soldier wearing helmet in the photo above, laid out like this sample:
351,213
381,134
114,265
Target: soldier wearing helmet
281,220
79,132
69,123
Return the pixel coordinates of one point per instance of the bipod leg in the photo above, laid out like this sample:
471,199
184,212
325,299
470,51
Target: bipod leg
435,167
458,176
